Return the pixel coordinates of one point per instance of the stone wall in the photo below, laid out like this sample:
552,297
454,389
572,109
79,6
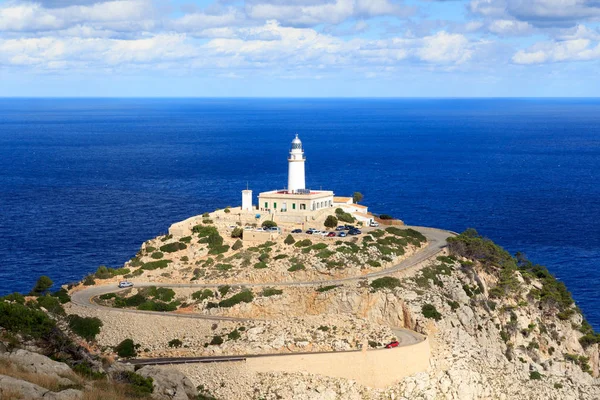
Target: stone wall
375,368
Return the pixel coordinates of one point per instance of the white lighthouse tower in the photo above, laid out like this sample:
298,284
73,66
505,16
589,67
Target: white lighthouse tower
296,183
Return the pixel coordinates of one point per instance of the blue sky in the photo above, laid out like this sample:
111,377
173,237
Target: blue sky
300,48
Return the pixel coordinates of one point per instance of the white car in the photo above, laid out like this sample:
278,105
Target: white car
374,224
316,232
125,284
324,233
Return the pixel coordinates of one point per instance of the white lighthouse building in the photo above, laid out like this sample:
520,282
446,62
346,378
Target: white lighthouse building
296,160
296,199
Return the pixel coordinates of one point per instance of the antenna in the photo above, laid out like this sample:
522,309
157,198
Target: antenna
246,185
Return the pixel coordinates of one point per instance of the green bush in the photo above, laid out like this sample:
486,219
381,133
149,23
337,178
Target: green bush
224,289
86,370
173,247
175,343
385,216
234,335
280,257
303,243
202,294
357,197
269,224
152,265
319,246
142,386
429,311
89,280
267,292
237,245
160,306
387,282
157,255
216,340
126,349
223,267
289,240
42,285
85,327
132,301
453,305
204,231
296,267
534,375
263,257
186,239
162,294
330,221
218,250
261,265
323,254
374,264
62,295
245,296
51,304
326,288
19,318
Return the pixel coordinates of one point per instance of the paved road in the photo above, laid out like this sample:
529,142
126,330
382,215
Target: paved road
436,241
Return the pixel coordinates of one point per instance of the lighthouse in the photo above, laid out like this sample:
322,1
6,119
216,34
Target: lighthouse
296,183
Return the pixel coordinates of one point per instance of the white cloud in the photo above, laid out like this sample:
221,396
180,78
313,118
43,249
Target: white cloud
550,52
507,27
445,48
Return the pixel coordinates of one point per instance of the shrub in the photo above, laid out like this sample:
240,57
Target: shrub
453,304
374,264
234,335
202,294
344,216
175,343
224,289
237,245
42,285
85,327
163,294
589,339
52,304
303,243
216,340
261,265
289,239
227,210
326,288
89,280
357,197
14,297
534,375
186,239
269,224
245,296
237,233
385,216
185,259
126,349
387,282
173,247
323,254
429,311
323,328
18,318
204,231
142,386
296,267
159,306
152,265
157,255
280,257
331,221
62,295
223,267
205,215
267,292
219,250
263,257
85,369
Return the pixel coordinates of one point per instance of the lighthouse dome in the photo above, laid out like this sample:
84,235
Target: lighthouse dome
296,143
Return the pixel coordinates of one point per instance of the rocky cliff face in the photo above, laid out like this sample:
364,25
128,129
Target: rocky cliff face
500,328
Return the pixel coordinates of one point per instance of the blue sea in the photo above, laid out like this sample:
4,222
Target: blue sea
83,182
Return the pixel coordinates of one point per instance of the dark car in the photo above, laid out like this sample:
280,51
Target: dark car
340,228
342,234
297,231
331,234
393,344
354,232
349,227
309,232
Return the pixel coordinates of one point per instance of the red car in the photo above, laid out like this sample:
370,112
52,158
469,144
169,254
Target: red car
392,344
331,234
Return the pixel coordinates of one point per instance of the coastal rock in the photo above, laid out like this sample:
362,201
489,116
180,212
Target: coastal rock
169,384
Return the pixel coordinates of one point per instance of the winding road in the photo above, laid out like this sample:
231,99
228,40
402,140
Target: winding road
436,241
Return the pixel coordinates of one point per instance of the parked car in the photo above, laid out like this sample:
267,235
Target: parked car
309,232
356,231
324,233
348,227
331,234
125,284
342,234
297,231
259,230
393,344
374,224
248,228
316,232
340,228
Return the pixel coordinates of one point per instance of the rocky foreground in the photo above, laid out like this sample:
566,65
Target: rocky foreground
500,327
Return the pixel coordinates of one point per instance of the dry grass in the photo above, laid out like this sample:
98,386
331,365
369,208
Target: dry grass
6,394
8,369
104,390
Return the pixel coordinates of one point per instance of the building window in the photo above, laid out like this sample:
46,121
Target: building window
266,204
274,206
293,206
303,206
